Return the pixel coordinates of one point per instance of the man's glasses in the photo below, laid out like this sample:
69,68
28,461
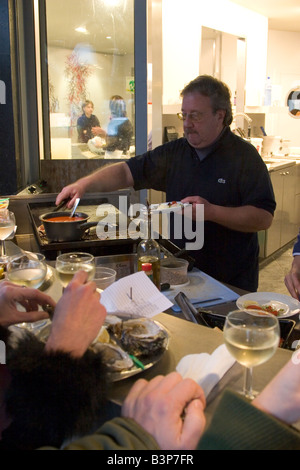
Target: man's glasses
194,117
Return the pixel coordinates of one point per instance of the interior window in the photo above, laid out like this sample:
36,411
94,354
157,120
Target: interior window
90,67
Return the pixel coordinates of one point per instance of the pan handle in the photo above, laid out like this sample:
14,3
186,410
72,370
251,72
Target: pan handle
87,225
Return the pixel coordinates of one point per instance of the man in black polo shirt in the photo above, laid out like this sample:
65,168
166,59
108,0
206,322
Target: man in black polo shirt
212,166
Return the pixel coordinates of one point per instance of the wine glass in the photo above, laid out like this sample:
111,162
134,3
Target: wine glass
252,338
7,227
28,270
69,264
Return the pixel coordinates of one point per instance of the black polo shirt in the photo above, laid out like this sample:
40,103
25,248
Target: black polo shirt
233,174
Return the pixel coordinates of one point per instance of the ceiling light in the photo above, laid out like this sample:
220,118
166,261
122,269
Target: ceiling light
82,29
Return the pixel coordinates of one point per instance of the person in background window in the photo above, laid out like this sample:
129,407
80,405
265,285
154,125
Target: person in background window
292,279
119,129
88,125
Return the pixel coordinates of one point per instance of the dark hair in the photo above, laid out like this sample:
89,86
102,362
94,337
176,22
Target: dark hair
217,91
117,106
86,103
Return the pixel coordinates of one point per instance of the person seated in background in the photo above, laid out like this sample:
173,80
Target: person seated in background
53,392
119,129
88,125
292,279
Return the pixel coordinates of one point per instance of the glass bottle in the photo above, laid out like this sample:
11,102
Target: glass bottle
148,254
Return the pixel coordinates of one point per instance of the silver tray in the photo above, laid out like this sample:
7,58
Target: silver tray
148,361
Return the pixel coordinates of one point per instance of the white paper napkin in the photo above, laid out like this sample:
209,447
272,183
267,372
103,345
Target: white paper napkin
206,369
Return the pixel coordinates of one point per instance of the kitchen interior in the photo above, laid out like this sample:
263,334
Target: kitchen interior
141,50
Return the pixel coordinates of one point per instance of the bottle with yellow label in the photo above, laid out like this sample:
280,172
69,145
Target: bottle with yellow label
148,254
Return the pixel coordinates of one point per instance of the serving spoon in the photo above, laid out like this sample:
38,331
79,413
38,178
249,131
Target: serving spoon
75,206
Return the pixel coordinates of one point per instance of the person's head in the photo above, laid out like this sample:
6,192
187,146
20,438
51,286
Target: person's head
117,106
88,108
206,109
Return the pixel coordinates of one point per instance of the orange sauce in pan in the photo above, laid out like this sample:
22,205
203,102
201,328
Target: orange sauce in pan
65,218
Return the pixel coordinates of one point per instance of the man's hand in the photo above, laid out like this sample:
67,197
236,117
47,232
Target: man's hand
169,408
281,397
70,193
30,299
78,317
292,279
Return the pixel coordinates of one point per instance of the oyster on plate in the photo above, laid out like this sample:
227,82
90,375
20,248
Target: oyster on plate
142,336
114,357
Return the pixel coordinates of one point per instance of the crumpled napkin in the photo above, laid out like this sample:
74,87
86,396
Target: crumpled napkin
206,369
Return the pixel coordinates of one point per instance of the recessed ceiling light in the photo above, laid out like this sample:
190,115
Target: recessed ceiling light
108,37
82,29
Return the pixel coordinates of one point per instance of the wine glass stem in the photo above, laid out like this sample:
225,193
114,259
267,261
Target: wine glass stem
248,392
3,253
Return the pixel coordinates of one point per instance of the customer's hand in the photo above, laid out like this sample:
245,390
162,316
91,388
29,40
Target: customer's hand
281,397
78,317
11,295
169,408
292,279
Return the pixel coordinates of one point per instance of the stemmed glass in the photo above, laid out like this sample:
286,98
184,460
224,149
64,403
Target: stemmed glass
252,338
69,264
7,227
28,270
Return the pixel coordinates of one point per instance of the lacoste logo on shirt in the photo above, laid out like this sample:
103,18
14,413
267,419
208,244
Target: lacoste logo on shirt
221,180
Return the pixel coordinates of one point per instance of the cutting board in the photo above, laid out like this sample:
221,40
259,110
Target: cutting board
202,291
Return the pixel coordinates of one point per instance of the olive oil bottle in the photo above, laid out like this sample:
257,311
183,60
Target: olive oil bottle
148,253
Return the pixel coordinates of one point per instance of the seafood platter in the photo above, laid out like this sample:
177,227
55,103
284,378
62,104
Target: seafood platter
128,346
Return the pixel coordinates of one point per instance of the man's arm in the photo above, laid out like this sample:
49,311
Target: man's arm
109,178
243,218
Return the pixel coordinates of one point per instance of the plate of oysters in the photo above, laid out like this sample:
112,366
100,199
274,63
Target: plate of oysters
130,346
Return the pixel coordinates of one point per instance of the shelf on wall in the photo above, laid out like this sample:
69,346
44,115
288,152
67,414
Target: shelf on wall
265,109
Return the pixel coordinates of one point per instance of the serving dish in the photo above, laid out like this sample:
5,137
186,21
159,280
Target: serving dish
139,363
165,207
285,305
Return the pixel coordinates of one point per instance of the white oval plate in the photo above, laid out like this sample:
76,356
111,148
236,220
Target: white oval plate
289,305
167,207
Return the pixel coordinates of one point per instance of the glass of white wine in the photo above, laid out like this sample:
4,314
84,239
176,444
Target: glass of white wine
7,227
68,264
252,338
29,270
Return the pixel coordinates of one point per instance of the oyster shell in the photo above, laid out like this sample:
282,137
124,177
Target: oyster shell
114,357
142,336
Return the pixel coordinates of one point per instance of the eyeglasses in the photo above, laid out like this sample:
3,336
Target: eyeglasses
194,117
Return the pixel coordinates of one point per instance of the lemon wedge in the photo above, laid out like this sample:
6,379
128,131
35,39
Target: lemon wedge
103,336
1,272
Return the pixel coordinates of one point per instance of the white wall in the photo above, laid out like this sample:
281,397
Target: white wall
108,77
283,66
182,22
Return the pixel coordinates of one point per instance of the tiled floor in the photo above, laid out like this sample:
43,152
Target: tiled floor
273,269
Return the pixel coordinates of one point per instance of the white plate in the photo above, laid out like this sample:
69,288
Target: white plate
167,207
290,305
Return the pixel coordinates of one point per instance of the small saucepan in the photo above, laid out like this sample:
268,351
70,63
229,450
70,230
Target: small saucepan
60,227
